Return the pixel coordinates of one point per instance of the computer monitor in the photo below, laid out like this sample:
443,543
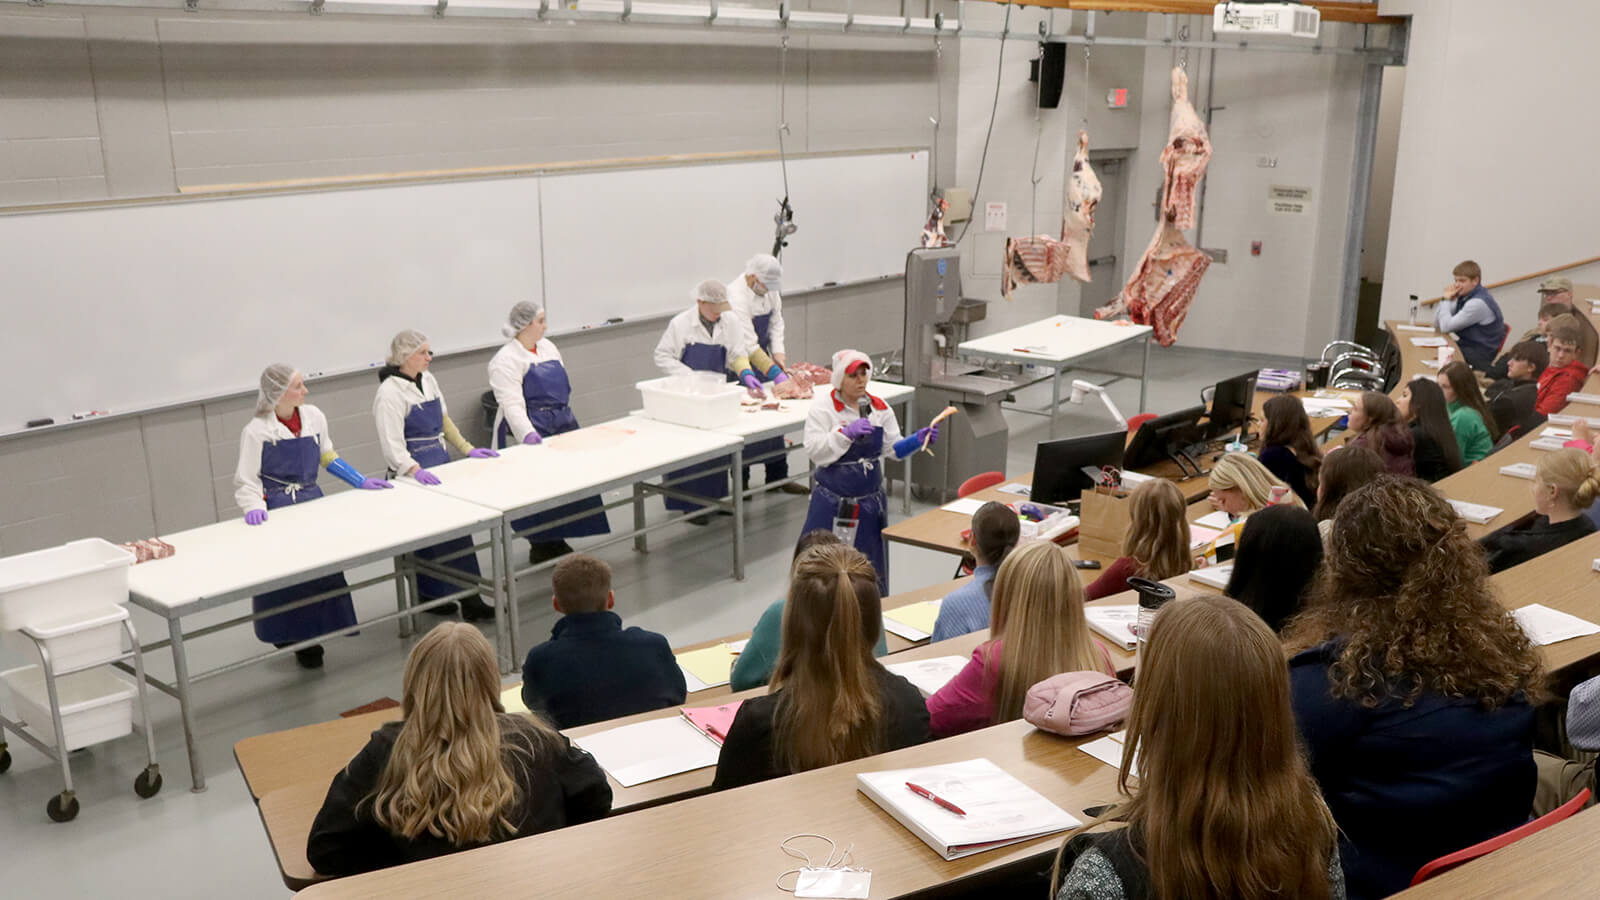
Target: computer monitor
1231,403
1058,466
1163,437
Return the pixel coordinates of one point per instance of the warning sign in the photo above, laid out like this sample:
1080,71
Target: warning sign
1289,200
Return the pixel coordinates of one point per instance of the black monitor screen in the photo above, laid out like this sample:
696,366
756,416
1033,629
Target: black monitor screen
1163,434
1231,403
1058,474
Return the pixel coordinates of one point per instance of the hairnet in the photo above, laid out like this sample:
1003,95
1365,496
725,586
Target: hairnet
274,382
522,315
767,270
404,344
711,291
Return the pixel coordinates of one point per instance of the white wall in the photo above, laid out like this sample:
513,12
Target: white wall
1496,160
1380,198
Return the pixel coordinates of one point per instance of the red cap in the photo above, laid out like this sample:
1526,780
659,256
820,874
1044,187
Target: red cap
856,367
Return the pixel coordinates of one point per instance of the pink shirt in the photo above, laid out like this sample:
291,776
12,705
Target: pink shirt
966,702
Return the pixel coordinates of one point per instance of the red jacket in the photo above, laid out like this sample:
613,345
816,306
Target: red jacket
1556,384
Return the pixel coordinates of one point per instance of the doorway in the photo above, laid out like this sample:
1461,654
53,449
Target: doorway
1105,245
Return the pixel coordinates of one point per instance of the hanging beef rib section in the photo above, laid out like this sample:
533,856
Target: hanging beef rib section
1185,156
1042,259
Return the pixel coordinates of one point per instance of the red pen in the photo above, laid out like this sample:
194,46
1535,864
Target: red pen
926,794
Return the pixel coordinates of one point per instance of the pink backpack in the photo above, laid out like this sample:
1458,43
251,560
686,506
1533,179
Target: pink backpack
1077,703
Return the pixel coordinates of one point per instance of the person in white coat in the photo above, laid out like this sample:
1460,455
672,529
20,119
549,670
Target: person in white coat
413,428
848,433
708,337
533,395
280,450
754,296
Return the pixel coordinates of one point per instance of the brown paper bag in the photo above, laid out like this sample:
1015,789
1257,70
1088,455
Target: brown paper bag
1102,523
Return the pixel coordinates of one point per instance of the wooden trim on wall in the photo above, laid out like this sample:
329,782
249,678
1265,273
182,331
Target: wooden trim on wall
1355,13
1528,277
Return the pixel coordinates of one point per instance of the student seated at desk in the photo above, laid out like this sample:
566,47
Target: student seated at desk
1475,427
1375,424
1512,398
1562,779
1413,688
995,531
1538,334
456,772
760,653
1346,469
1423,408
1279,553
592,669
1225,806
1470,312
1565,484
1241,485
1288,448
830,701
1566,373
1037,629
1156,545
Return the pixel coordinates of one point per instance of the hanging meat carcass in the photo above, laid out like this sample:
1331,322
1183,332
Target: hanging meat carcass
1042,259
1185,156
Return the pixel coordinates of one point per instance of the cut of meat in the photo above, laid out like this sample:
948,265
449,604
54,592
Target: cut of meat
1077,221
1163,285
1184,157
1032,260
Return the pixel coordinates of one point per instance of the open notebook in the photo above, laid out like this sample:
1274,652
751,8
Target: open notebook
998,809
914,621
1114,623
929,675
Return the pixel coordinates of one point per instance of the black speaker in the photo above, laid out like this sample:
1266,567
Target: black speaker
1050,70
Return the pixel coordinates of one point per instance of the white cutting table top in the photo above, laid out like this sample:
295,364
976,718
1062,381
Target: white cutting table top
578,464
1058,339
215,564
755,423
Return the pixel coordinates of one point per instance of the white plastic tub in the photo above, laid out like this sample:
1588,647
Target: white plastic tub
74,579
700,400
75,642
96,706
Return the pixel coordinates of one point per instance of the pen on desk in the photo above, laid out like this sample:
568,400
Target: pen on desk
926,794
1020,350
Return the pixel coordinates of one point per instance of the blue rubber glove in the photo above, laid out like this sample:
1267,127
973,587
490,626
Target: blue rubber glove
255,517
533,438
423,476
752,382
481,453
346,472
909,445
375,484
857,429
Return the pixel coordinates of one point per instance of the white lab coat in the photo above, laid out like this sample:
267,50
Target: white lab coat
506,369
732,331
247,489
394,401
748,305
823,441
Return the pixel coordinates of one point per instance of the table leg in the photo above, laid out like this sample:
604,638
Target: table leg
508,537
737,463
180,672
1055,399
497,570
405,624
1144,375
641,542
911,421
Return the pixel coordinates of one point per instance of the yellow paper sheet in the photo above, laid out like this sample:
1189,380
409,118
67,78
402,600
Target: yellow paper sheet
511,699
920,616
713,665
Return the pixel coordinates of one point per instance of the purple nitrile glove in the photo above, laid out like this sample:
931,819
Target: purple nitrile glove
928,435
375,484
482,453
752,382
423,476
780,378
858,429
532,438
255,517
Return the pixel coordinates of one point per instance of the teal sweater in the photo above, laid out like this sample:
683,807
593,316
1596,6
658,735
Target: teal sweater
1471,433
757,659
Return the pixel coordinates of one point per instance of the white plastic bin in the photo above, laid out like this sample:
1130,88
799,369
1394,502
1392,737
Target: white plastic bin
700,400
72,580
77,641
96,706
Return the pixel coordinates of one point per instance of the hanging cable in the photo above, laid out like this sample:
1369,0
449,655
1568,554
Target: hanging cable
1083,121
1005,31
783,221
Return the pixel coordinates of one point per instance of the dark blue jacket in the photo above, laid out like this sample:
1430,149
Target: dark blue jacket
1407,785
1480,342
592,669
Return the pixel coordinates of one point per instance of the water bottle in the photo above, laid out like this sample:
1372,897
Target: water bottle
1414,304
1152,596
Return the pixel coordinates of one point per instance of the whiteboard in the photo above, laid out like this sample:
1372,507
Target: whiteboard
635,243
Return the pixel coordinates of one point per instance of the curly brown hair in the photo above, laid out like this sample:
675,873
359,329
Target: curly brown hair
1406,594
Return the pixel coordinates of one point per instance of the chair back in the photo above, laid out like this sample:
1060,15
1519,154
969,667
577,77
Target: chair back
980,481
1445,863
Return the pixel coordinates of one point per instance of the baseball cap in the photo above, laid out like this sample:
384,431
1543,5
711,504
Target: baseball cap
1555,285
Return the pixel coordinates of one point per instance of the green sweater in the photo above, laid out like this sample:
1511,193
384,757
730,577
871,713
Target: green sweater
760,655
1471,434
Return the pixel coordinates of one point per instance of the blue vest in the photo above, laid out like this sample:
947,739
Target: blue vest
1479,342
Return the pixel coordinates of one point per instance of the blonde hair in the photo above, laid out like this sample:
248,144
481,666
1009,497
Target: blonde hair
1573,475
1225,806
1254,481
449,773
1037,610
828,707
1158,533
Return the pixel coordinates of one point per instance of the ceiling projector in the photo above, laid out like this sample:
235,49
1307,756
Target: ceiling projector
1283,19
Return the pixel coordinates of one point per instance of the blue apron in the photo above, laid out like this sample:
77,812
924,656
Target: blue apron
702,358
547,391
856,477
424,431
289,476
778,466
1480,342
763,322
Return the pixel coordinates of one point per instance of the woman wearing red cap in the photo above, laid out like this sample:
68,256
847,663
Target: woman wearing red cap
848,432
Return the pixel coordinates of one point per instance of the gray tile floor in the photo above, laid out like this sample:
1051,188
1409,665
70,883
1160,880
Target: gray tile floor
183,844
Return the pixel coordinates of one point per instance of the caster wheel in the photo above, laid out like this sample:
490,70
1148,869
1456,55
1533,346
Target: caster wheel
63,807
5,759
148,784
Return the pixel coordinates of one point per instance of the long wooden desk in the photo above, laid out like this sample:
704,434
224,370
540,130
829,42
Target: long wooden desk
1562,861
1411,357
725,845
